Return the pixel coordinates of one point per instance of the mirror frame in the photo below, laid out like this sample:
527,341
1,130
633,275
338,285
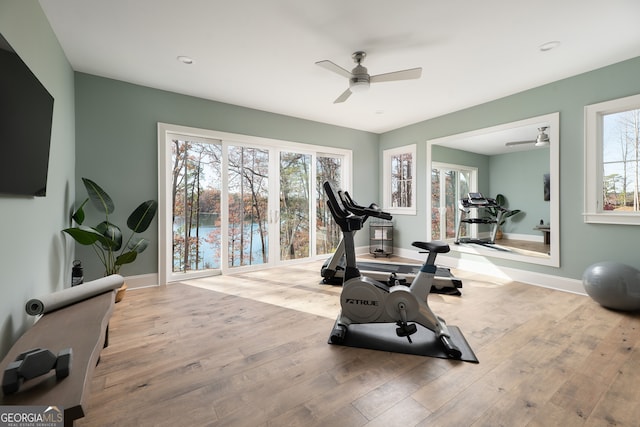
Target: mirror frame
553,121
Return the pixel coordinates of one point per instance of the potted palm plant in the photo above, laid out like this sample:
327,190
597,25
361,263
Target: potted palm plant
106,238
492,213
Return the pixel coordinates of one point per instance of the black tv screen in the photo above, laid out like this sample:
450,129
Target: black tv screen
26,112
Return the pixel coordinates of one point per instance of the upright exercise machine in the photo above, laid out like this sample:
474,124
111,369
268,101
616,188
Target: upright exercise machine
470,204
367,302
332,271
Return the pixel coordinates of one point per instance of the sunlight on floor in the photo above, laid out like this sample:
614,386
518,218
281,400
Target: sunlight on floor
299,289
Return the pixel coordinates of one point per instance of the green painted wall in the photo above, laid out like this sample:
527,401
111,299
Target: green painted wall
580,244
117,146
518,176
34,256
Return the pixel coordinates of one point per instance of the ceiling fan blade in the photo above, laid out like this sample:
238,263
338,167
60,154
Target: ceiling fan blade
335,68
343,97
509,144
413,73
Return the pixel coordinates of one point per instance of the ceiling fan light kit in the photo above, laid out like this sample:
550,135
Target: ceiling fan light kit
543,139
359,78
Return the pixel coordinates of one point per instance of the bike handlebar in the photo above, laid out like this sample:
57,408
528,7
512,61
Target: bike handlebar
373,209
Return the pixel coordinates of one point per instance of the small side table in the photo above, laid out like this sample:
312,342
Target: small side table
381,238
546,231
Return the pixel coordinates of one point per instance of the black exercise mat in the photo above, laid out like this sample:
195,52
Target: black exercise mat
382,336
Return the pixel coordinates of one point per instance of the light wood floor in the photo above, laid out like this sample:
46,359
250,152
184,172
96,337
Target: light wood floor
525,245
251,350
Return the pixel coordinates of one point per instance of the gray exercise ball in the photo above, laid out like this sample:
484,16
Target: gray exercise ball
613,285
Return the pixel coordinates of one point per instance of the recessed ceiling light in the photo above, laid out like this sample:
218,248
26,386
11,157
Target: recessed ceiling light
545,47
185,59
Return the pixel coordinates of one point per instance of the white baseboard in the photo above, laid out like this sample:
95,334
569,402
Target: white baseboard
550,281
141,280
523,237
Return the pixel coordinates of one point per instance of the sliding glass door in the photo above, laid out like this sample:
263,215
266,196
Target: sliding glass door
230,205
449,183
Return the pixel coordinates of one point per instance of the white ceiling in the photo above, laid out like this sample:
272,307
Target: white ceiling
261,54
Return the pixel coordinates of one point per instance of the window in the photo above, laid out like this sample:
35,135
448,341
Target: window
399,195
612,161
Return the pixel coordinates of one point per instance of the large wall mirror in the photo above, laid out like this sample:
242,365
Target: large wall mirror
519,160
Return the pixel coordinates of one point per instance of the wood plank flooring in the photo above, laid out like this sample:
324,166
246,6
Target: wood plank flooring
251,350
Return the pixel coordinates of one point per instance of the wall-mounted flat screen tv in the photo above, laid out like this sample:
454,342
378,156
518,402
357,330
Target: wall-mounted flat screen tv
26,112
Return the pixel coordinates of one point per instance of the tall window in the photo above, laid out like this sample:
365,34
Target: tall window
399,180
612,169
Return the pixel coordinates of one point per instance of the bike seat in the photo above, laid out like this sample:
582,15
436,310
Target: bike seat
433,246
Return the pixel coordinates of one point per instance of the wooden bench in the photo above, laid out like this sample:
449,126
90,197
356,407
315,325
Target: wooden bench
81,326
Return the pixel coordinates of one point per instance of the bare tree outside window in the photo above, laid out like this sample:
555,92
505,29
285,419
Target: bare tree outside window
401,180
328,234
449,183
398,175
620,161
295,183
248,206
195,194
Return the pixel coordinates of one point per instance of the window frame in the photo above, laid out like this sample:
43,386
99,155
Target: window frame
593,170
386,179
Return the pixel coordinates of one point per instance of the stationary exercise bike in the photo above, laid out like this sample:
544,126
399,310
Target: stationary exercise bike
366,301
332,271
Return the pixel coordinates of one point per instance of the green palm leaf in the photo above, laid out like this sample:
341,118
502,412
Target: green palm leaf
78,215
141,218
138,244
99,198
113,235
126,258
84,235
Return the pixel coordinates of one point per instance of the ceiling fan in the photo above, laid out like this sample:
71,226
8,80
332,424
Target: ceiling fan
359,78
541,140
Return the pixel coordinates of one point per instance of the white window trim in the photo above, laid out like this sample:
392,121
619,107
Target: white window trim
593,212
386,180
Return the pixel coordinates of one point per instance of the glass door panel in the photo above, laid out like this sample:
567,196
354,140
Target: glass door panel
448,186
328,168
248,206
195,192
295,218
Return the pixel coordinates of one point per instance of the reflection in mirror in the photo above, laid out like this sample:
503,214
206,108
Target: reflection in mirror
518,160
